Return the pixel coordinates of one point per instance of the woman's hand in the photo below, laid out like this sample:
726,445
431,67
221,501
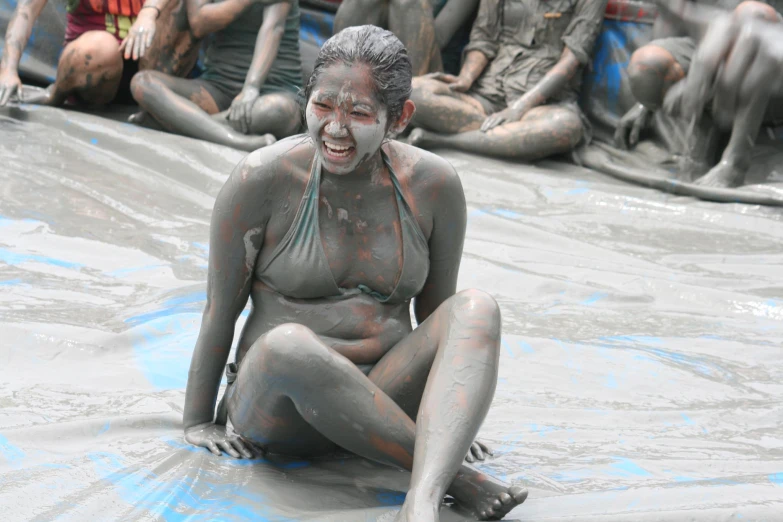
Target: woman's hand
631,125
10,84
507,115
140,35
241,111
215,438
455,83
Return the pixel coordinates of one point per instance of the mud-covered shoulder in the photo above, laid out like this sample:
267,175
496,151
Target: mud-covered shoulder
420,166
264,178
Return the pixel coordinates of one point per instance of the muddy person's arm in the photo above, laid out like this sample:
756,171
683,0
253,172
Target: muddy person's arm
235,237
453,16
206,17
447,238
16,36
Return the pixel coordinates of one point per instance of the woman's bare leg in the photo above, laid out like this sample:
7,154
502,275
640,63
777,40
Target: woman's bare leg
439,109
90,67
184,107
295,395
542,132
277,114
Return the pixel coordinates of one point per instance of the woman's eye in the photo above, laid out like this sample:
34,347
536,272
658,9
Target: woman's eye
321,105
359,114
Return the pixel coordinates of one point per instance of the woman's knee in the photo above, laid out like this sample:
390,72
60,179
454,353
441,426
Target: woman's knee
142,83
277,114
477,310
288,347
93,51
760,10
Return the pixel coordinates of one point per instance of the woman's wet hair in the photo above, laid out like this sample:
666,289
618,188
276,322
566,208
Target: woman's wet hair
377,48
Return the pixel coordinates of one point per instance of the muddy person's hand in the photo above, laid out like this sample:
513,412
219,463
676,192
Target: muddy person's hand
216,439
631,125
140,35
10,84
478,451
455,83
241,111
508,115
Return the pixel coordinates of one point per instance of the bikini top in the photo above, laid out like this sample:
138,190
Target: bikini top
298,267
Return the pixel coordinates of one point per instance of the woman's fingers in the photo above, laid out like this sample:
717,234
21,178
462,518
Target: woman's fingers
244,450
485,448
477,452
211,446
226,446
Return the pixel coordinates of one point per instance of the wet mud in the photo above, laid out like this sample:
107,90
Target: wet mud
640,373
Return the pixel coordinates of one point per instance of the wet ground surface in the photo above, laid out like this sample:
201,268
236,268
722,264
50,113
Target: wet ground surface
642,369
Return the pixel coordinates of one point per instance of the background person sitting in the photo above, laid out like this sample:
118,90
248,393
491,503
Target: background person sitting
433,31
252,67
105,44
516,95
660,66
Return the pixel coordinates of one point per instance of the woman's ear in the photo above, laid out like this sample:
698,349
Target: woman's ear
408,110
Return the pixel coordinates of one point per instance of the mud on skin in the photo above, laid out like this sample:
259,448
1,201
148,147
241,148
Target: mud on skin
527,123
253,119
425,392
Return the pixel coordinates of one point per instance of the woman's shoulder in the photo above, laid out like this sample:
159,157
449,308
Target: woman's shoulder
418,163
287,157
421,169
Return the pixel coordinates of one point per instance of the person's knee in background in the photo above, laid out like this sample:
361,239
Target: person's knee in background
652,70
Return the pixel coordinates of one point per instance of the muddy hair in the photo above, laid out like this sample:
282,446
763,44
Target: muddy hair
377,48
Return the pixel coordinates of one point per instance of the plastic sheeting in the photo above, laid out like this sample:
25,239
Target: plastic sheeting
641,374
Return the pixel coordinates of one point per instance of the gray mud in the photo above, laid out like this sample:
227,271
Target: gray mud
641,376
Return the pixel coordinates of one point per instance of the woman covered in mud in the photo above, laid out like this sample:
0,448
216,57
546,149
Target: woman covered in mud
333,234
516,94
252,75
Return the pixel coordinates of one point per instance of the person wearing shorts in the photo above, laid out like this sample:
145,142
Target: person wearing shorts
106,43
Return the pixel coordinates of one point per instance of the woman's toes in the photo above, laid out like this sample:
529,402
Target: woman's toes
497,504
519,493
506,499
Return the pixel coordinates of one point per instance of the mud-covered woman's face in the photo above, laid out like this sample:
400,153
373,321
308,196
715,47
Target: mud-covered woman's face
345,118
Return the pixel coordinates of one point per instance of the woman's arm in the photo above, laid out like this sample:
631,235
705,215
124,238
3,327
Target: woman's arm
16,36
206,17
267,44
453,15
264,55
446,240
235,238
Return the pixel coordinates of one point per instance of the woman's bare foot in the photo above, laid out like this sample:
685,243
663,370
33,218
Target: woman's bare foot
252,142
724,174
420,138
486,497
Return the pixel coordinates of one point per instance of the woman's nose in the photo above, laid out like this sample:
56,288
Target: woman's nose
336,129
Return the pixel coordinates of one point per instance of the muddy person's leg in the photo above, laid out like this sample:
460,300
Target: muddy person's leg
294,395
90,68
542,132
439,109
735,161
184,107
412,22
278,114
352,13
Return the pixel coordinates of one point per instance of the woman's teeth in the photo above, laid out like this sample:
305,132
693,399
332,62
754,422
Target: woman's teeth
338,150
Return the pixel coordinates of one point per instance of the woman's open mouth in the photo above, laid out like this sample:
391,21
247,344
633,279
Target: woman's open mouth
338,152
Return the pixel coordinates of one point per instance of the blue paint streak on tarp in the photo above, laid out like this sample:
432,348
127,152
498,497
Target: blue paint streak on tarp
175,500
9,452
12,258
163,347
